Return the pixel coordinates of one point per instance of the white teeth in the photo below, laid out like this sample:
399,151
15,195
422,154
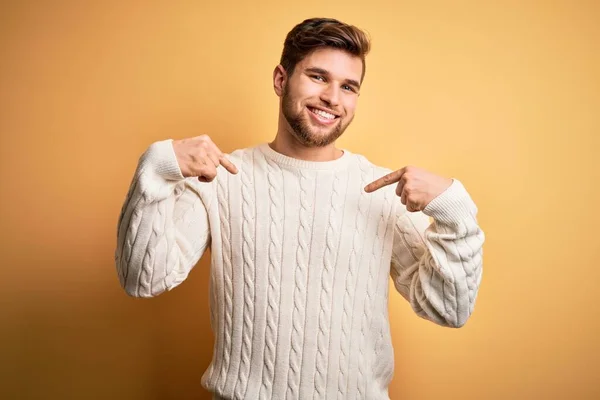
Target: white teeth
322,113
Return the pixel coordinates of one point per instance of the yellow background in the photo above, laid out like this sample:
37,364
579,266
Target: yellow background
503,95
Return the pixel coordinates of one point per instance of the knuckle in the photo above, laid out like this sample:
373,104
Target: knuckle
210,173
200,153
198,157
203,140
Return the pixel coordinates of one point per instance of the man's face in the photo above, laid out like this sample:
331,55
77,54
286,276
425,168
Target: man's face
320,96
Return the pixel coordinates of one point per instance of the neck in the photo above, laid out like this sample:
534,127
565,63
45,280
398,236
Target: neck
285,143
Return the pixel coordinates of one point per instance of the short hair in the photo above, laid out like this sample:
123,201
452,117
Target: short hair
315,33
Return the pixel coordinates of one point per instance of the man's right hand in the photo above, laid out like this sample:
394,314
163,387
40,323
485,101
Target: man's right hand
199,156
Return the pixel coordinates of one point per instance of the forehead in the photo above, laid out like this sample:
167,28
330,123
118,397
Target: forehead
339,63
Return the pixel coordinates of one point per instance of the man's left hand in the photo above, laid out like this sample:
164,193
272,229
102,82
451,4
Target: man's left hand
416,187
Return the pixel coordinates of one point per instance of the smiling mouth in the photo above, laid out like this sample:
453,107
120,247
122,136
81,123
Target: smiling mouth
323,114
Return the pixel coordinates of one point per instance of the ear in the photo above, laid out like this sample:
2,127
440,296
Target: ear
279,79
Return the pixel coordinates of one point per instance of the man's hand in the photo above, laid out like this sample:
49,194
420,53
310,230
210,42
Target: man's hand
200,157
416,187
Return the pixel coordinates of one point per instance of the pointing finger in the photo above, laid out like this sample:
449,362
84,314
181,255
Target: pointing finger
228,165
388,179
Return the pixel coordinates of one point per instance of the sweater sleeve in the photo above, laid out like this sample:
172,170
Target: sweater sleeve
437,266
163,227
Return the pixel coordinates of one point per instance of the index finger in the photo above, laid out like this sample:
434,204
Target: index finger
228,165
388,179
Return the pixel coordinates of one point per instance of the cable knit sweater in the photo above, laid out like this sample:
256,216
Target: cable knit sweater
301,257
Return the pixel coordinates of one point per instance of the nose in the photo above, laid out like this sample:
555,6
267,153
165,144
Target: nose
330,95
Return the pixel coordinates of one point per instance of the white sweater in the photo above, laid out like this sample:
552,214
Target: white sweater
300,261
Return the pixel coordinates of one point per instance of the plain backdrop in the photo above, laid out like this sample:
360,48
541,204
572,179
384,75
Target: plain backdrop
504,96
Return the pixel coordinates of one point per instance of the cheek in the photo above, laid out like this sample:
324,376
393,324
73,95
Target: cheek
304,88
311,93
350,106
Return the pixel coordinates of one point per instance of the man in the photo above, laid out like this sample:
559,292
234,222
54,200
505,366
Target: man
304,237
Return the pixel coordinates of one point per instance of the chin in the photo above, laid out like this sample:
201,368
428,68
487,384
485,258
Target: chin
317,137
309,133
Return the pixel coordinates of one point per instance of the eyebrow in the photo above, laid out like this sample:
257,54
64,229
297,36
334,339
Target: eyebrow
322,71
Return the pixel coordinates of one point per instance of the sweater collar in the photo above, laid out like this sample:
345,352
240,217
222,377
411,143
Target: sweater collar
284,160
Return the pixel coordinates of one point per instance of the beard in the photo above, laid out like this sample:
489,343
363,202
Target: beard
303,131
